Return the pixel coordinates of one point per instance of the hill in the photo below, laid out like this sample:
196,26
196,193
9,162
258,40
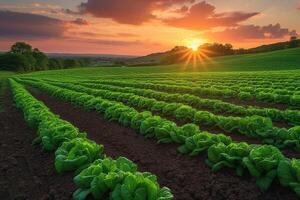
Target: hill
275,60
287,59
214,49
273,47
278,60
154,58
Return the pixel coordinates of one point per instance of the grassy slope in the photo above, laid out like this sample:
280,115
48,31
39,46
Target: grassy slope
278,60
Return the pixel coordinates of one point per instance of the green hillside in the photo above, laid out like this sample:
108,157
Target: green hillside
277,60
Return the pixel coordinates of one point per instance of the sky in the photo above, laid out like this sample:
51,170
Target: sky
139,27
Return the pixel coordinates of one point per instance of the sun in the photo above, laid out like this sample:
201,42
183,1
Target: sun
195,55
194,44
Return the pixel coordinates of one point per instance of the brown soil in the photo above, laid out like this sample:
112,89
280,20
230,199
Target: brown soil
26,172
259,104
188,177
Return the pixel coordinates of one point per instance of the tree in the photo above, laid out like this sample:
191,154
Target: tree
14,62
70,62
294,42
41,60
21,48
55,63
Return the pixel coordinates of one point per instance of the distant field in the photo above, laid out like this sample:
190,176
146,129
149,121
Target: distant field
278,60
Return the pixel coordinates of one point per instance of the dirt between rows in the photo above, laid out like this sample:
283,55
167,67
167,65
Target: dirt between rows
26,172
189,178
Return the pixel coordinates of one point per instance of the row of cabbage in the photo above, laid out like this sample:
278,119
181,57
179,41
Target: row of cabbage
291,100
245,93
286,95
218,106
96,174
232,80
252,126
265,162
252,88
236,83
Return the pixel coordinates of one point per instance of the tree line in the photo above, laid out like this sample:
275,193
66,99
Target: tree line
179,53
22,57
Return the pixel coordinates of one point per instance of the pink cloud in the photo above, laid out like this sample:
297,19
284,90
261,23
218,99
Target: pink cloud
80,21
133,12
246,32
202,16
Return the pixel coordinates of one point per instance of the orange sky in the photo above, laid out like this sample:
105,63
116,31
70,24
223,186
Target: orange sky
138,27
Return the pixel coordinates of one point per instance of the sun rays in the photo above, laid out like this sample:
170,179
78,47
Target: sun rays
194,56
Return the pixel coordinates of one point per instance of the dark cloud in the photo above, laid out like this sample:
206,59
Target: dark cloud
29,26
128,11
202,16
80,21
71,12
182,10
244,32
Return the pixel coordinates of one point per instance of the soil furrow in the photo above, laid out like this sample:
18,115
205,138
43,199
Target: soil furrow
26,172
188,177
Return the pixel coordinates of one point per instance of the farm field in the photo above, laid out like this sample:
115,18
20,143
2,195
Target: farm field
201,135
149,100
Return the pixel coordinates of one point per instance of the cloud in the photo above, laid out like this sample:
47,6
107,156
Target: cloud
127,35
71,12
246,32
133,12
107,42
203,16
80,21
103,35
29,26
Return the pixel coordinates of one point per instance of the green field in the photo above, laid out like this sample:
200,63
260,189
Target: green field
243,115
6,74
278,60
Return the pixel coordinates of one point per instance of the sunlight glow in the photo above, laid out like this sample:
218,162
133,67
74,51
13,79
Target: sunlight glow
194,44
195,57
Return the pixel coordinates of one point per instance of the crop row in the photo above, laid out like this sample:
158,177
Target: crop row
235,83
293,101
253,126
232,79
292,116
264,162
96,174
253,89
243,93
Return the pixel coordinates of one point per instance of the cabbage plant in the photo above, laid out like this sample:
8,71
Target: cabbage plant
262,163
221,155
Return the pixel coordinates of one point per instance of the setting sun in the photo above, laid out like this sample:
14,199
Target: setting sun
194,47
194,44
